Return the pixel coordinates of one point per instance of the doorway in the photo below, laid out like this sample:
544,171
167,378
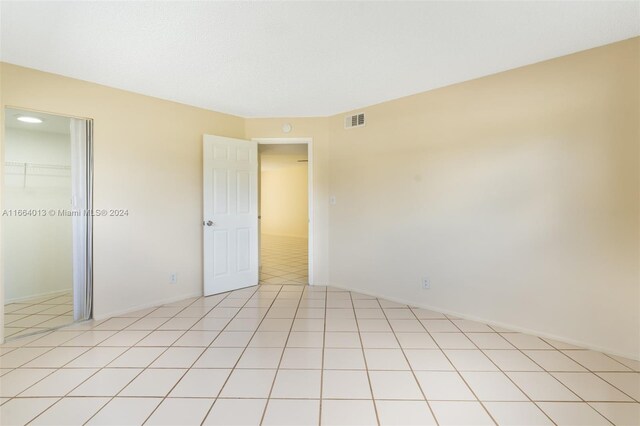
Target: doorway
47,222
285,211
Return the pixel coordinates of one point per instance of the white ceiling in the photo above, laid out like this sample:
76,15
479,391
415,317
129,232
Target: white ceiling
50,123
268,59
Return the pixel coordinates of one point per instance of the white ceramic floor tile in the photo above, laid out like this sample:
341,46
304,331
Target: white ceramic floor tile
59,383
177,358
416,341
444,386
427,314
70,411
54,339
19,411
493,386
232,339
460,413
305,339
525,341
260,358
180,411
137,357
394,385
339,384
218,358
96,357
125,411
201,383
379,340
153,382
440,326
404,413
590,387
596,361
248,384
511,360
453,341
374,325
160,338
191,359
348,412
294,384
619,413
489,341
200,338
18,380
385,359
106,382
428,359
541,386
302,358
292,412
628,383
470,360
21,356
90,338
343,359
630,363
517,414
342,340
269,339
125,338
553,360
468,326
236,412
572,413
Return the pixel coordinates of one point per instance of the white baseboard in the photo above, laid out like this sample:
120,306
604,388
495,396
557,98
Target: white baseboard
36,296
146,305
579,343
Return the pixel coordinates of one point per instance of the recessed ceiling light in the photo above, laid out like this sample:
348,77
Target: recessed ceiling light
29,119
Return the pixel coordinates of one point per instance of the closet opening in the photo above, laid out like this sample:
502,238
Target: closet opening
46,221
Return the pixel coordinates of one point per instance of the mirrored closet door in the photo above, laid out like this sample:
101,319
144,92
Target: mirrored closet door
46,221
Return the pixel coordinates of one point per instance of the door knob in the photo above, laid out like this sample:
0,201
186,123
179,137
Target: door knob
210,223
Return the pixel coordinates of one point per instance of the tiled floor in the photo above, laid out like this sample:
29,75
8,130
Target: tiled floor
37,314
297,355
284,260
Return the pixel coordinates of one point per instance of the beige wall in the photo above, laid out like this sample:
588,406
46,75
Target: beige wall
284,201
315,128
515,194
148,159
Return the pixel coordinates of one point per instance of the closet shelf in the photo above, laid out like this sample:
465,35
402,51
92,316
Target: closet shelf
37,169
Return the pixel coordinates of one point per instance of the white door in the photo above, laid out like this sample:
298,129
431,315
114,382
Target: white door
230,219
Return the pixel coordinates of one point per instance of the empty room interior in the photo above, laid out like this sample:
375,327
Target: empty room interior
320,213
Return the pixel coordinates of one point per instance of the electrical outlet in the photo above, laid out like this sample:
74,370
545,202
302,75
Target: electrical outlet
426,285
173,278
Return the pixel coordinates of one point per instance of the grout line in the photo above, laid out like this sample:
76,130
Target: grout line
275,376
413,373
499,369
324,341
243,350
366,365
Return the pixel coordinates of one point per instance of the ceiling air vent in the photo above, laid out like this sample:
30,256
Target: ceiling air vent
356,120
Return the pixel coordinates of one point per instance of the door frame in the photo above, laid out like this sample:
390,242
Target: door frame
310,192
